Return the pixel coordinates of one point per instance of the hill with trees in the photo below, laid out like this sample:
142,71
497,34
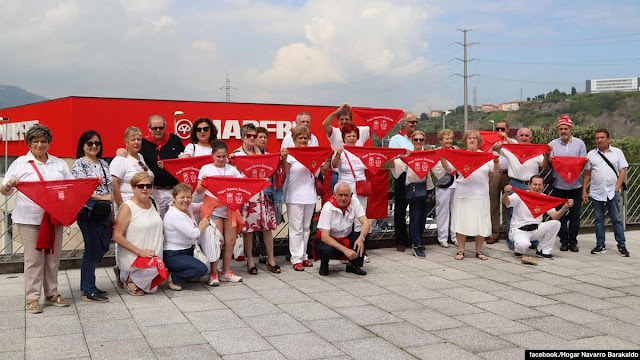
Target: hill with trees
14,96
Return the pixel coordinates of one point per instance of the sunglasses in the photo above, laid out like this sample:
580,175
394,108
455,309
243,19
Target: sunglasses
156,128
412,122
251,136
144,167
501,129
203,129
418,139
144,186
93,143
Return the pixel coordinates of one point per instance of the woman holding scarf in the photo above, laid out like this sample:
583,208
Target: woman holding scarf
122,168
40,266
203,134
350,168
445,188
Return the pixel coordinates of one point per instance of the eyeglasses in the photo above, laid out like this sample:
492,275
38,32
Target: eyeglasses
251,136
143,166
144,186
501,129
40,142
203,129
412,122
418,139
156,128
93,143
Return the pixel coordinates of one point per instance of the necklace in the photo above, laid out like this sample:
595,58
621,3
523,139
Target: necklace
223,172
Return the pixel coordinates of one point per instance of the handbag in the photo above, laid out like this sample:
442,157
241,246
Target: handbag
279,176
415,190
624,184
363,187
319,186
198,254
445,181
101,210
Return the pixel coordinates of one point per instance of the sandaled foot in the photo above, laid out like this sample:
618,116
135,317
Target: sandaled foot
252,270
133,289
459,255
275,268
480,255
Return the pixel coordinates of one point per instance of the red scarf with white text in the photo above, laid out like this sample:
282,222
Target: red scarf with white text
374,157
186,169
421,162
379,120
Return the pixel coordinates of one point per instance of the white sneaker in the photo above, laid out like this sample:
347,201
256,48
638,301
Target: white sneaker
444,244
213,280
366,259
229,276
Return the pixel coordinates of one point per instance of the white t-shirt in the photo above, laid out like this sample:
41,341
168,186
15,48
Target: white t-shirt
522,172
196,150
475,185
603,179
124,168
504,164
299,187
344,170
180,230
400,167
336,137
521,214
339,225
287,142
227,171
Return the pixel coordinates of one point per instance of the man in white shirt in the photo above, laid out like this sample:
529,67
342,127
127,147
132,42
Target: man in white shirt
344,117
303,118
343,227
525,226
606,178
498,181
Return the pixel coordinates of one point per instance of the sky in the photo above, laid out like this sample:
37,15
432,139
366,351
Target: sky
376,53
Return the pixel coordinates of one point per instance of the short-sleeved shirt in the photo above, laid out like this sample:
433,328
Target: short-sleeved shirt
226,171
476,185
603,178
575,148
26,211
504,164
399,141
336,137
299,186
522,172
287,142
84,169
171,150
400,167
124,168
339,224
196,150
521,214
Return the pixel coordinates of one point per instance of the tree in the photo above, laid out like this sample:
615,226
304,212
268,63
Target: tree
423,117
573,90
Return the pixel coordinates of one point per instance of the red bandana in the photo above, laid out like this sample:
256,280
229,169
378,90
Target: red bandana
538,204
334,202
488,139
312,157
524,152
421,162
377,205
379,120
186,169
374,157
259,166
466,162
159,144
569,167
403,133
234,192
154,262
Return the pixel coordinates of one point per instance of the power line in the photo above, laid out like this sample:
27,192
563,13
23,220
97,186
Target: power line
529,81
630,61
583,41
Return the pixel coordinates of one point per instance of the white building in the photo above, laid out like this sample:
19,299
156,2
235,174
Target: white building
609,85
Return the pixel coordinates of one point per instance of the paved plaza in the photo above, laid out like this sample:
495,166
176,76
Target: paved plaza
437,308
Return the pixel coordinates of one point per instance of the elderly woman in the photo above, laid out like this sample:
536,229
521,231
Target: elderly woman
445,188
203,134
350,167
258,213
418,204
301,198
40,269
181,232
95,216
123,168
470,215
138,233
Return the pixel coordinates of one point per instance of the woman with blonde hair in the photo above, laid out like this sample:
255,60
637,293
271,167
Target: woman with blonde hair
122,168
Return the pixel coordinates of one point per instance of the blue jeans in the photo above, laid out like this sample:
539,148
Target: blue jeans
614,214
182,265
417,218
521,186
569,233
97,239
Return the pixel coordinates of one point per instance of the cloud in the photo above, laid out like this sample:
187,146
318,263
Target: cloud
203,45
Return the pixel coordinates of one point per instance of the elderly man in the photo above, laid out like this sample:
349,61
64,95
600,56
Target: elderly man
606,169
304,119
497,182
402,140
568,145
343,226
525,226
344,116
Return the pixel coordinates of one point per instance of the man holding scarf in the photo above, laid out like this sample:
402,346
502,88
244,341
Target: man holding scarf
343,226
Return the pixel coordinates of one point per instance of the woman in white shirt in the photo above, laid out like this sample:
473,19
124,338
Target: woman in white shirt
444,193
203,134
122,168
350,167
181,231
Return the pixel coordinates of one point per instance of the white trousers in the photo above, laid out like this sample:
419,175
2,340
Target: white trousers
546,232
300,216
444,204
164,199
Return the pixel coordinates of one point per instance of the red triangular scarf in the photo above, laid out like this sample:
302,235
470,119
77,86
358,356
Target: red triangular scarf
524,152
154,262
334,202
488,139
312,157
379,120
186,169
569,167
374,157
234,192
159,144
466,162
259,166
538,204
377,205
421,162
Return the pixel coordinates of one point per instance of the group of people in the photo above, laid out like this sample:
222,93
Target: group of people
150,215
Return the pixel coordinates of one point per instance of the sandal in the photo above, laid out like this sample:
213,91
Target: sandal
274,268
460,255
480,255
298,267
252,270
133,289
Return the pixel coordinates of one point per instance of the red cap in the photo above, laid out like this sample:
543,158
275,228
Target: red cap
564,120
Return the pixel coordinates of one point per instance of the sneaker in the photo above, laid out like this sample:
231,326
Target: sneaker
213,280
517,254
529,260
564,247
546,256
623,251
444,244
229,276
33,306
56,300
573,248
366,259
417,251
599,250
355,270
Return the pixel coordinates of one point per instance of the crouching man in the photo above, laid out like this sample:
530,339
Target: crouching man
343,226
525,225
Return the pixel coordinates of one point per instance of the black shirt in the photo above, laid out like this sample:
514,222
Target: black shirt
170,150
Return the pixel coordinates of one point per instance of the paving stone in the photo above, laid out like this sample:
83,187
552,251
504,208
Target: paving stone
563,271
12,320
361,288
233,292
561,328
162,315
309,311
630,301
188,289
53,325
11,279
450,306
403,334
284,295
275,324
264,281
619,329
428,319
572,313
233,341
103,312
56,347
111,330
607,342
200,352
436,283
12,340
12,355
584,301
539,288
313,286
215,320
624,313
367,315
524,298
452,274
468,295
304,346
251,307
501,276
392,302
172,335
510,310
146,301
258,355
203,302
551,279
336,299
493,324
604,281
484,285
339,329
630,290
512,268
49,310
414,292
12,303
504,354
537,340
12,289
473,339
441,351
593,290
372,348
123,349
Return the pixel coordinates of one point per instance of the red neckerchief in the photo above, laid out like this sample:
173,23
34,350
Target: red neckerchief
334,202
402,132
160,144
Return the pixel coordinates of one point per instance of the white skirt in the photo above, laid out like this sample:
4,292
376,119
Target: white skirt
471,216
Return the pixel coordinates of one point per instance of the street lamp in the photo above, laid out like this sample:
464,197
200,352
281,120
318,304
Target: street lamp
175,115
493,125
444,116
7,237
